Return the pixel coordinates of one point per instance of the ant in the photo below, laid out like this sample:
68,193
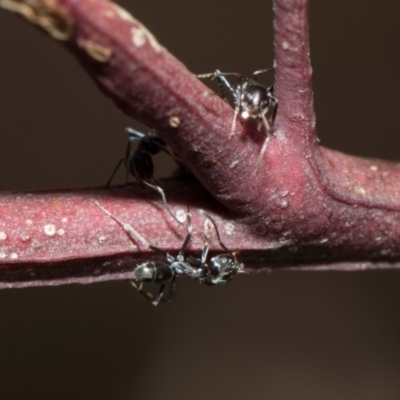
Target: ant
157,272
253,101
139,163
218,270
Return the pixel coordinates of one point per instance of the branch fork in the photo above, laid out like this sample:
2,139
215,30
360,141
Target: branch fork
307,208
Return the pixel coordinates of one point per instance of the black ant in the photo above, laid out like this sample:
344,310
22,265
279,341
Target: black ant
139,162
253,101
218,270
157,272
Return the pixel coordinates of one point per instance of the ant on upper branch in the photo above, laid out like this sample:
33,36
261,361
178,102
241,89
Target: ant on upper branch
252,101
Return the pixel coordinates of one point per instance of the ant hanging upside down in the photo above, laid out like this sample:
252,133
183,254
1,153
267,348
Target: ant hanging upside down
252,100
214,271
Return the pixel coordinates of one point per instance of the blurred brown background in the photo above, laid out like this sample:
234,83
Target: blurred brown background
286,335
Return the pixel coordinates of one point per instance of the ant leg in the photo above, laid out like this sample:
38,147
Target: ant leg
134,135
162,194
148,297
188,234
233,126
261,71
223,84
238,105
274,111
222,81
127,228
172,289
208,216
122,160
265,144
262,152
159,295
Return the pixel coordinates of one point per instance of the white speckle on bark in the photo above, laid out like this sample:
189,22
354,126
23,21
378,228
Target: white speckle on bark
3,236
360,190
50,229
102,239
138,36
181,216
174,122
13,256
229,228
24,237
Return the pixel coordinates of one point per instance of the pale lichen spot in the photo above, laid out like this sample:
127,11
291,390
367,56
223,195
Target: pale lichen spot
95,50
2,254
285,45
61,231
138,36
3,236
102,239
284,204
174,122
360,190
64,219
29,222
181,216
123,14
229,228
24,237
207,226
48,14
13,256
50,229
234,163
374,168
323,240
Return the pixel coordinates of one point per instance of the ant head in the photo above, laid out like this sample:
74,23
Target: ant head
255,100
223,267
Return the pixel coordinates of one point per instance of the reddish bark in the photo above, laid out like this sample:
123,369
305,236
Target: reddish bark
308,207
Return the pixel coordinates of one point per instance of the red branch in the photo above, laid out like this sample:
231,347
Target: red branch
308,207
